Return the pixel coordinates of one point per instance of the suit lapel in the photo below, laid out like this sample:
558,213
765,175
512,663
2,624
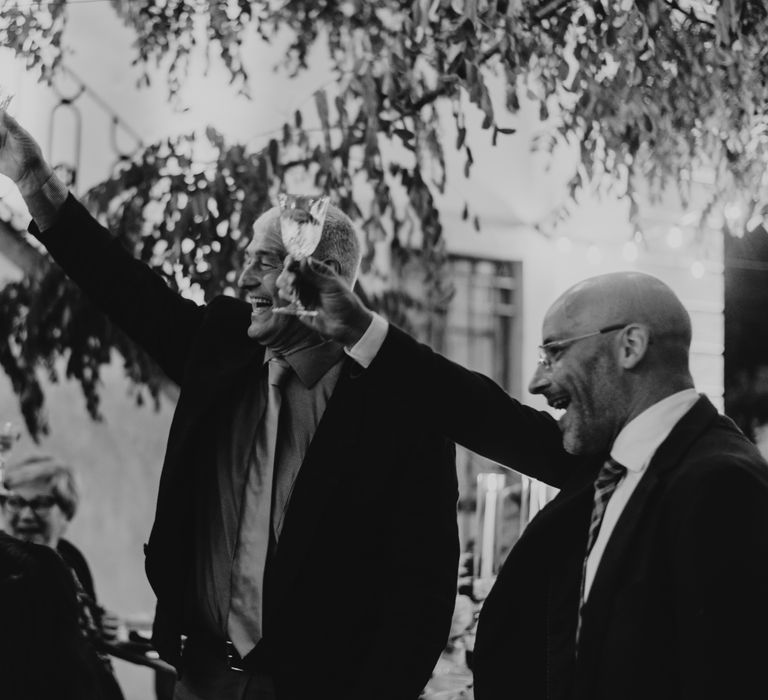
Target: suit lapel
668,456
228,374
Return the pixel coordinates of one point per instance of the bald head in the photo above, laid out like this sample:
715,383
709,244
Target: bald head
614,345
632,297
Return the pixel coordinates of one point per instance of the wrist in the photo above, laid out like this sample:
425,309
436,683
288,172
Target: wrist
31,183
358,326
45,202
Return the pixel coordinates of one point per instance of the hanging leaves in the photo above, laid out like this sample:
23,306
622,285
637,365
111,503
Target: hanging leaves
653,90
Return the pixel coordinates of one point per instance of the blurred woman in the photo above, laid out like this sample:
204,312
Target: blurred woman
42,651
39,499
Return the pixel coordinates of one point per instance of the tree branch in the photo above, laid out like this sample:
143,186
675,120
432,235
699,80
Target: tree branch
550,8
689,13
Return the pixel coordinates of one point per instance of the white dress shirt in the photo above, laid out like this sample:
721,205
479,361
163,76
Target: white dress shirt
634,448
365,349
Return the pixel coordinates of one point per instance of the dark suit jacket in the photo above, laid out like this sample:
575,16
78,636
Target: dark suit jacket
679,605
360,592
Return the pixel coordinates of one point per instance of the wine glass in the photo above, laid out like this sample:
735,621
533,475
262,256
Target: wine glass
301,227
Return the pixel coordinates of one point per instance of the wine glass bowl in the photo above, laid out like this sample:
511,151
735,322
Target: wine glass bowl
301,227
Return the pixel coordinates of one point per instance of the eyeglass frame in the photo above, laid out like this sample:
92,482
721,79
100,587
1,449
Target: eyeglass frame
546,361
34,504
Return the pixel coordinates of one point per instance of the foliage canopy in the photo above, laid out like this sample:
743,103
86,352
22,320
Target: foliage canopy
657,90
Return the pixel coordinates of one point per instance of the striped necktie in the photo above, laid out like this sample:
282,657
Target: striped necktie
244,622
606,482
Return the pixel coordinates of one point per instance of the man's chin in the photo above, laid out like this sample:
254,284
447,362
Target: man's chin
258,331
573,444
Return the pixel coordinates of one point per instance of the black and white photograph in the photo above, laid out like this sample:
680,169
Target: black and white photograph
383,349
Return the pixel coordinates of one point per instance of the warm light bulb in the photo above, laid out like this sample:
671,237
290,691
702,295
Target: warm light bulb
564,244
697,269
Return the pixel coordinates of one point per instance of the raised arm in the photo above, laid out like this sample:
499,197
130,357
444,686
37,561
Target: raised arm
465,406
133,296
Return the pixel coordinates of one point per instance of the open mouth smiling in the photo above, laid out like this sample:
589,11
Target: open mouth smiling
560,402
259,302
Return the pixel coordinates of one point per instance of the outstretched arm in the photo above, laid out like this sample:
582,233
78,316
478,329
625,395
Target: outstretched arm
462,405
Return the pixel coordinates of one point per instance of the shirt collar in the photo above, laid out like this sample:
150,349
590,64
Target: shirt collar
639,439
311,362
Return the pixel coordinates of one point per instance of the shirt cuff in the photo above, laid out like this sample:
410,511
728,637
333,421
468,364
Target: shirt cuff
364,351
44,204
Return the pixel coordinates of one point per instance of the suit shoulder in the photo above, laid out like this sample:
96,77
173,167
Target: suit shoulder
722,460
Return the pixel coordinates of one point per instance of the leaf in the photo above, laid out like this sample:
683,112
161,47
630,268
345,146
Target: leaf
469,161
406,135
461,135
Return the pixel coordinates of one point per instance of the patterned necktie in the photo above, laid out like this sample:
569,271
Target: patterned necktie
606,482
244,622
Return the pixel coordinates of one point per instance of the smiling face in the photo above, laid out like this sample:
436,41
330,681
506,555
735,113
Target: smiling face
263,262
45,524
628,342
584,380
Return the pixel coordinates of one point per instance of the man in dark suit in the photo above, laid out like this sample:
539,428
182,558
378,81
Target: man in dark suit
647,576
333,575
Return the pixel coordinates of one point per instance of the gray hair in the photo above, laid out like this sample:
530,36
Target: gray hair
339,243
50,471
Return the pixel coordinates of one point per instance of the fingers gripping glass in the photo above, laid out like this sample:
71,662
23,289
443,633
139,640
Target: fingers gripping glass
549,353
39,504
301,227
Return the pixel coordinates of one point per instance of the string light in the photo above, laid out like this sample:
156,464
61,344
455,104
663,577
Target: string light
733,213
697,269
564,244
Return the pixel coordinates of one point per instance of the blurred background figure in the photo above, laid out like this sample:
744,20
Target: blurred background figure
39,498
42,651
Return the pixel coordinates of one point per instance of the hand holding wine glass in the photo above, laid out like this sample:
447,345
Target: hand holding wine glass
301,227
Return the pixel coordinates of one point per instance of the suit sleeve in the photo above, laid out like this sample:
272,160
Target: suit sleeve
720,564
134,297
472,410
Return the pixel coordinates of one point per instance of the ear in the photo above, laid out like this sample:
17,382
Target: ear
633,345
335,265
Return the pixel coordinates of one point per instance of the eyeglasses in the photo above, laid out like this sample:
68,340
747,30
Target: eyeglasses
38,504
549,353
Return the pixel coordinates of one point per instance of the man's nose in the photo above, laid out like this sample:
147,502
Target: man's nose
246,276
540,380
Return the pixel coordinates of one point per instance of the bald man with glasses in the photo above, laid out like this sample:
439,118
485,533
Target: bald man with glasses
647,576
